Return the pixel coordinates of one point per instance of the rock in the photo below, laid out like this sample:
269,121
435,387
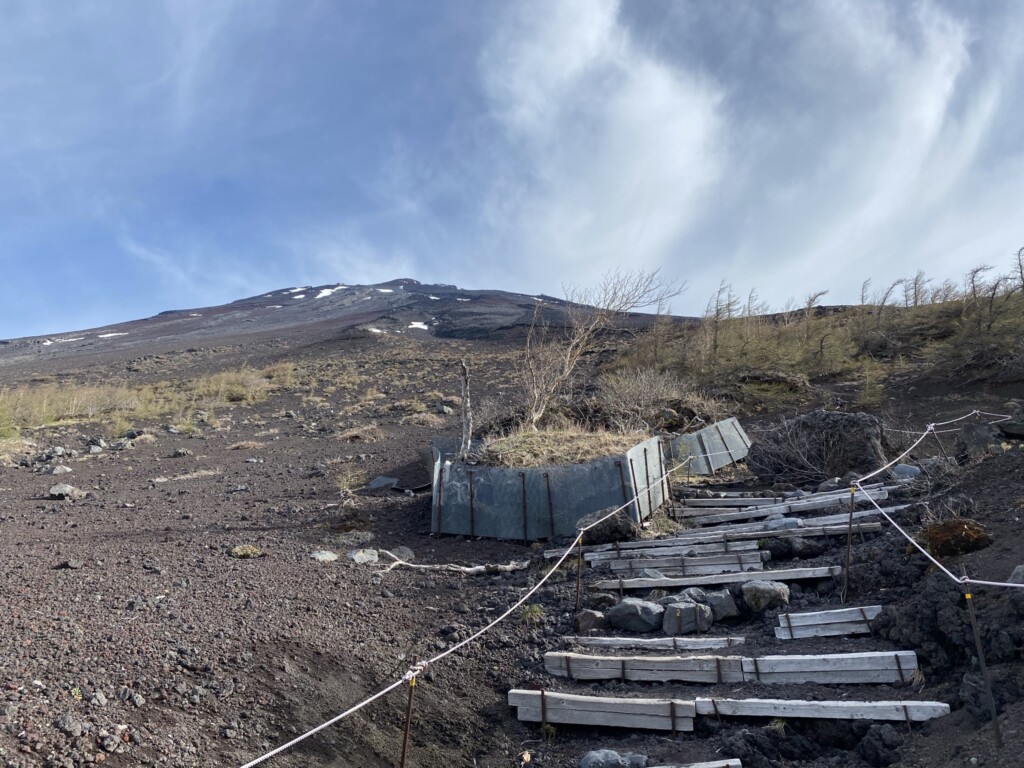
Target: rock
634,615
805,549
618,527
94,449
686,618
382,483
781,523
1014,430
602,601
70,565
65,491
1017,577
324,556
57,469
673,599
722,605
181,453
608,758
69,725
905,471
976,441
878,747
819,445
761,595
363,556
403,553
587,620
832,484
696,594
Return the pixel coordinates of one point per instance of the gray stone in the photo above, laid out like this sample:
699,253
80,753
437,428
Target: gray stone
696,594
832,484
686,618
722,604
633,615
324,556
381,483
761,595
618,527
1017,577
65,491
608,758
976,441
363,556
586,620
1012,429
602,601
57,469
805,549
94,449
69,725
781,523
673,599
905,471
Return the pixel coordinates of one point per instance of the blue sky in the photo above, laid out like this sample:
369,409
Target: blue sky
163,155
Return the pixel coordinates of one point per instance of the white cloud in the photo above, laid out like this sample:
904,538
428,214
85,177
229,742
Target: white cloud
610,151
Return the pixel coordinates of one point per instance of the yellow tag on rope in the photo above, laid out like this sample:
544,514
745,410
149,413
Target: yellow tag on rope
412,683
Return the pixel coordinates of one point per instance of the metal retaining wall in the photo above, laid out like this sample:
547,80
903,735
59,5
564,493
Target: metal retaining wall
543,502
711,448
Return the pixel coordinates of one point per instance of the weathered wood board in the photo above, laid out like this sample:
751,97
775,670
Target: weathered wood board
914,711
675,643
573,709
786,574
843,621
755,513
720,563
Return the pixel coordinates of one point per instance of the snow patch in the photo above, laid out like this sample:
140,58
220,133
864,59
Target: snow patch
297,290
385,290
375,330
434,298
276,306
65,341
194,314
420,326
463,299
325,292
300,296
110,335
47,343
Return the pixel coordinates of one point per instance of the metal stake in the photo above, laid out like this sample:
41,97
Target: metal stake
408,716
982,665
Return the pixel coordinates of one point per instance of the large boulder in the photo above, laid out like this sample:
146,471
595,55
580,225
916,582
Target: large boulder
587,620
761,595
722,604
686,618
620,527
818,446
608,758
976,441
634,615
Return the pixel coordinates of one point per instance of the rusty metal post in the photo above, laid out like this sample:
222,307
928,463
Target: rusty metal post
579,571
408,717
849,544
981,663
440,496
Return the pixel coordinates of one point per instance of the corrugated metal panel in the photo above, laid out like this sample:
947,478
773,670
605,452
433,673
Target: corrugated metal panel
712,448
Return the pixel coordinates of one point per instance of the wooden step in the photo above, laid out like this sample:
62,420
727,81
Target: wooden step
674,643
731,763
907,711
696,566
843,668
787,574
572,709
843,621
796,507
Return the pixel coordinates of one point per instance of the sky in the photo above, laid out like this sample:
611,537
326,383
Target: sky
169,155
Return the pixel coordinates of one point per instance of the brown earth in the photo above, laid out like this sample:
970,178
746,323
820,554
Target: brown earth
135,638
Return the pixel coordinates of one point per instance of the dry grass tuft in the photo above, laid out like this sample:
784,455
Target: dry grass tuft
955,536
368,433
529,448
246,445
422,420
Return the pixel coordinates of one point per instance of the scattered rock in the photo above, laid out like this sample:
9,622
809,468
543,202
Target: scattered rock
686,618
1017,577
878,747
57,469
761,595
722,605
403,553
608,758
586,620
616,528
805,549
324,556
181,453
602,601
976,441
70,565
65,491
905,471
635,615
363,556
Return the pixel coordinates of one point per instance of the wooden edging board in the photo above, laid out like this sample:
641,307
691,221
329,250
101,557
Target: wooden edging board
674,643
843,621
787,574
843,668
738,560
572,709
755,513
908,711
730,763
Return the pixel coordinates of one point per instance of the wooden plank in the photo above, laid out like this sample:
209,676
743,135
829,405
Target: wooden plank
605,719
759,501
787,574
823,630
755,513
848,668
838,616
704,643
915,711
749,501
573,709
736,559
679,550
730,763
689,669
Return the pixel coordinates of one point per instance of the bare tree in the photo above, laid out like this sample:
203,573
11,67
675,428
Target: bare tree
551,357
